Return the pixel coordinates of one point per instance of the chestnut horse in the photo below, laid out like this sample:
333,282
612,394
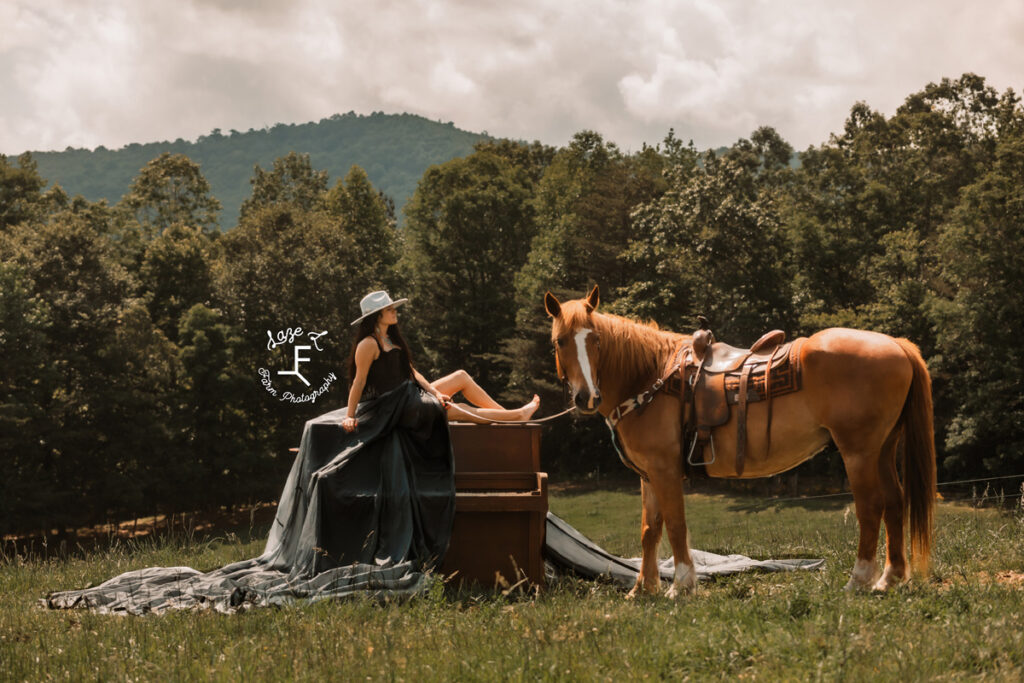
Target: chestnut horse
867,392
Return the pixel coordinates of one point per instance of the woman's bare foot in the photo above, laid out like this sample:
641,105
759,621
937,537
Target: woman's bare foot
530,408
465,412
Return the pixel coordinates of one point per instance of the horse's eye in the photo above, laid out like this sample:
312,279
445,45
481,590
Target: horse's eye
560,341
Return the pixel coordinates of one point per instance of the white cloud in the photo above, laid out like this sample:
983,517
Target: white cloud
119,71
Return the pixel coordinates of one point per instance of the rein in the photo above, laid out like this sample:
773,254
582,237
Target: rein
456,406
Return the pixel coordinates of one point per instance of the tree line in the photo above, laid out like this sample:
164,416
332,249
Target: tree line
131,333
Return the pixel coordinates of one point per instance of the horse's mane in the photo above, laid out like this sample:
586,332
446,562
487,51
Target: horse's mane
633,351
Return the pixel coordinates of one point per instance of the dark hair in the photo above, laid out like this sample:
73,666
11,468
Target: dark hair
366,329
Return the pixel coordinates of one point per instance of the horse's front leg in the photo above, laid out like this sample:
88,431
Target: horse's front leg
650,536
667,484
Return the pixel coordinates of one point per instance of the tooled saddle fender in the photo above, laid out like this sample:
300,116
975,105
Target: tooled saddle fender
716,377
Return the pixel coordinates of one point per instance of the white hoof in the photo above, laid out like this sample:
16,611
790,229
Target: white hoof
862,576
684,582
887,580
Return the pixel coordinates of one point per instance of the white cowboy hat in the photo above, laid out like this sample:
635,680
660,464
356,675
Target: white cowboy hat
376,301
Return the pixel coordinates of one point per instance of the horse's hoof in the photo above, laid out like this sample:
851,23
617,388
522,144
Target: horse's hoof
677,591
857,586
888,579
863,575
643,588
685,581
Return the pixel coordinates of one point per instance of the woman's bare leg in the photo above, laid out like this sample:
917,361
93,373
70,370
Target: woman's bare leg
483,408
461,412
460,381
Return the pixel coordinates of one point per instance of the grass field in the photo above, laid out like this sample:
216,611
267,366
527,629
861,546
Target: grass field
967,620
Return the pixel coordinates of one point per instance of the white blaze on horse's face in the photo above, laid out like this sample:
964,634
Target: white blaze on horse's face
584,360
586,395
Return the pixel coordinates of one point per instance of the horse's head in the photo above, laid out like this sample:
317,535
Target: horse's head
577,347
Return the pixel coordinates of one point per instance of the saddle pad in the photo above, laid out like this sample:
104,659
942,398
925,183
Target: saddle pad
786,377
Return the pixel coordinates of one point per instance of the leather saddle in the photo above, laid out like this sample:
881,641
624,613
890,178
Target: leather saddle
721,376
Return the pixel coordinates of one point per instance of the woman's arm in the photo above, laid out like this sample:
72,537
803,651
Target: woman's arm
366,353
422,381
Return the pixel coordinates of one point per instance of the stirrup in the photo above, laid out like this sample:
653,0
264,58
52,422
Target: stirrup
693,447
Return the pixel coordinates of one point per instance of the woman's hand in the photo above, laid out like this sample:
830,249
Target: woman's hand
349,424
445,399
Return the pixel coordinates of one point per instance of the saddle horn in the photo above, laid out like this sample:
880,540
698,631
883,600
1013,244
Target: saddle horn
703,338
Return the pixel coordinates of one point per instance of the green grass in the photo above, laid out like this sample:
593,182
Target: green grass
966,621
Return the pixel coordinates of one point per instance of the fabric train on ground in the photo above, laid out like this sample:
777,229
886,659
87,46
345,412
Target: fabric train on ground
367,511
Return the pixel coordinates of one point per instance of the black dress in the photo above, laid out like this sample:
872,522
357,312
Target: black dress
385,373
366,511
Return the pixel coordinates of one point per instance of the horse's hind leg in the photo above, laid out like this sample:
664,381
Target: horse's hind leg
651,524
896,559
862,465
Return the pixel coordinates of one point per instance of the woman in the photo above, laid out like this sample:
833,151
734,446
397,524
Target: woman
380,361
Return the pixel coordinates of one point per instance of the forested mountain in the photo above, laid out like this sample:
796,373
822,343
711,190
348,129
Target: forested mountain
393,149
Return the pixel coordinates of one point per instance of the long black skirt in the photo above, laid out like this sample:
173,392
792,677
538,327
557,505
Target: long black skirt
366,511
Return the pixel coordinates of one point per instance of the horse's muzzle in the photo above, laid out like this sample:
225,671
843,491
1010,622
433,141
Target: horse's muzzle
587,404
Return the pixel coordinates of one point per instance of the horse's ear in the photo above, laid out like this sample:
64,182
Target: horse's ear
551,305
593,298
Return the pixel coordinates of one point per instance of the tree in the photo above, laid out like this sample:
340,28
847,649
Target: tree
171,190
981,249
175,274
223,461
369,217
532,159
583,206
292,180
99,378
868,205
20,190
713,244
468,230
27,374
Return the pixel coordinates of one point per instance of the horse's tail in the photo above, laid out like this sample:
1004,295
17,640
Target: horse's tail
919,453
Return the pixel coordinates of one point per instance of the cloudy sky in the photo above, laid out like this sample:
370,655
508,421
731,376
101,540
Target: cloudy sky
108,72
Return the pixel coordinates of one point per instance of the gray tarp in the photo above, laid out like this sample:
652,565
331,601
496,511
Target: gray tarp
565,548
365,512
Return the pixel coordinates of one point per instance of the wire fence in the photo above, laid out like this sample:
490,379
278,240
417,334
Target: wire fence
960,482
986,497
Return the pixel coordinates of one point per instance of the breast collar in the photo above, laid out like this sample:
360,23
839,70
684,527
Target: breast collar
640,401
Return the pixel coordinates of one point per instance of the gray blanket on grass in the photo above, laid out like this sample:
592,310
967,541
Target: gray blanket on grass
565,548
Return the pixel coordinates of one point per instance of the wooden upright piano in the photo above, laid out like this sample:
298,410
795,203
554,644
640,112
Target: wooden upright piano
501,505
